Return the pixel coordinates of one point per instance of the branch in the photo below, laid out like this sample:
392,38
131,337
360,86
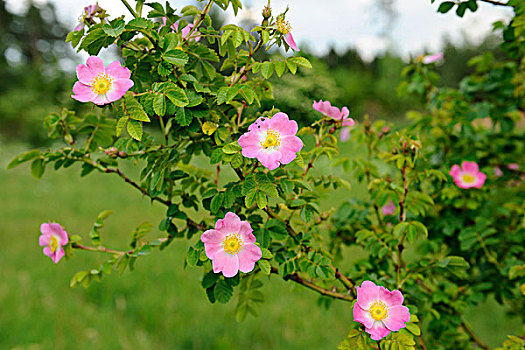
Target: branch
473,336
497,3
323,291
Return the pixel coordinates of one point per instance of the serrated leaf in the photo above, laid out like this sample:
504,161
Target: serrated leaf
38,168
183,117
265,266
176,57
159,105
175,95
135,110
223,292
267,69
301,62
121,124
134,128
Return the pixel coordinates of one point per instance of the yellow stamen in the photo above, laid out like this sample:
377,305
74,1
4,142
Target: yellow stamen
101,84
232,244
467,178
53,244
378,310
283,26
273,139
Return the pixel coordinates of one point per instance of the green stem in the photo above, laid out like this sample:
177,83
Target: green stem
125,2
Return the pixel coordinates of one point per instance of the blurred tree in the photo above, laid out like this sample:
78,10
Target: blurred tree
31,83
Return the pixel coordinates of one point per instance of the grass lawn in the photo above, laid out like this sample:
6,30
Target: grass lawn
160,305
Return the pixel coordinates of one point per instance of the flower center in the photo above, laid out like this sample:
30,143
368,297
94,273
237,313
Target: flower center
232,244
101,84
467,178
283,26
378,310
53,244
273,139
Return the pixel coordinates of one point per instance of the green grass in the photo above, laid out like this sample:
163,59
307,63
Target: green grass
158,306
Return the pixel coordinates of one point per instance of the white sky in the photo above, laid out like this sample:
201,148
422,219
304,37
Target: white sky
340,23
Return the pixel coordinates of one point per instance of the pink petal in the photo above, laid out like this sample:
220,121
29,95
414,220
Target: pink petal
362,316
95,65
212,240
289,40
100,100
367,294
454,171
290,145
59,253
471,167
84,74
260,125
248,256
226,263
83,93
246,233
250,144
348,121
283,124
116,71
43,240
390,298
345,113
230,224
269,158
55,229
48,252
480,180
118,89
378,331
397,316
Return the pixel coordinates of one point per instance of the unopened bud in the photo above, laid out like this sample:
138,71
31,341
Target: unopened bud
112,152
332,130
122,154
267,12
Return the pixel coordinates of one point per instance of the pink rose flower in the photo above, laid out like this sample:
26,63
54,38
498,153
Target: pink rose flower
432,58
388,209
513,166
231,246
272,141
185,31
88,15
498,172
285,29
468,175
325,107
99,84
380,310
53,237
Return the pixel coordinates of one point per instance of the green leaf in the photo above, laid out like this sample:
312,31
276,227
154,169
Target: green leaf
38,167
192,257
159,105
413,328
292,67
183,117
24,157
280,67
175,95
135,110
265,266
231,148
445,6
210,279
462,8
267,69
216,202
115,28
223,292
135,129
121,124
301,62
262,200
176,57
137,23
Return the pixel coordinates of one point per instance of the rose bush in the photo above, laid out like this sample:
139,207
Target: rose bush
190,93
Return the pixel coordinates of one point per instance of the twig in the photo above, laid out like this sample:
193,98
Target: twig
497,3
298,279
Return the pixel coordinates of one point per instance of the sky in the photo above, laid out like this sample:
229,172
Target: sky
341,24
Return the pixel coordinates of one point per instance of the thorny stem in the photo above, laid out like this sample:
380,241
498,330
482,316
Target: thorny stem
99,249
199,19
402,218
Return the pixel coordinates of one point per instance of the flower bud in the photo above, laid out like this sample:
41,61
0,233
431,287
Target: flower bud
112,152
267,12
122,154
332,130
